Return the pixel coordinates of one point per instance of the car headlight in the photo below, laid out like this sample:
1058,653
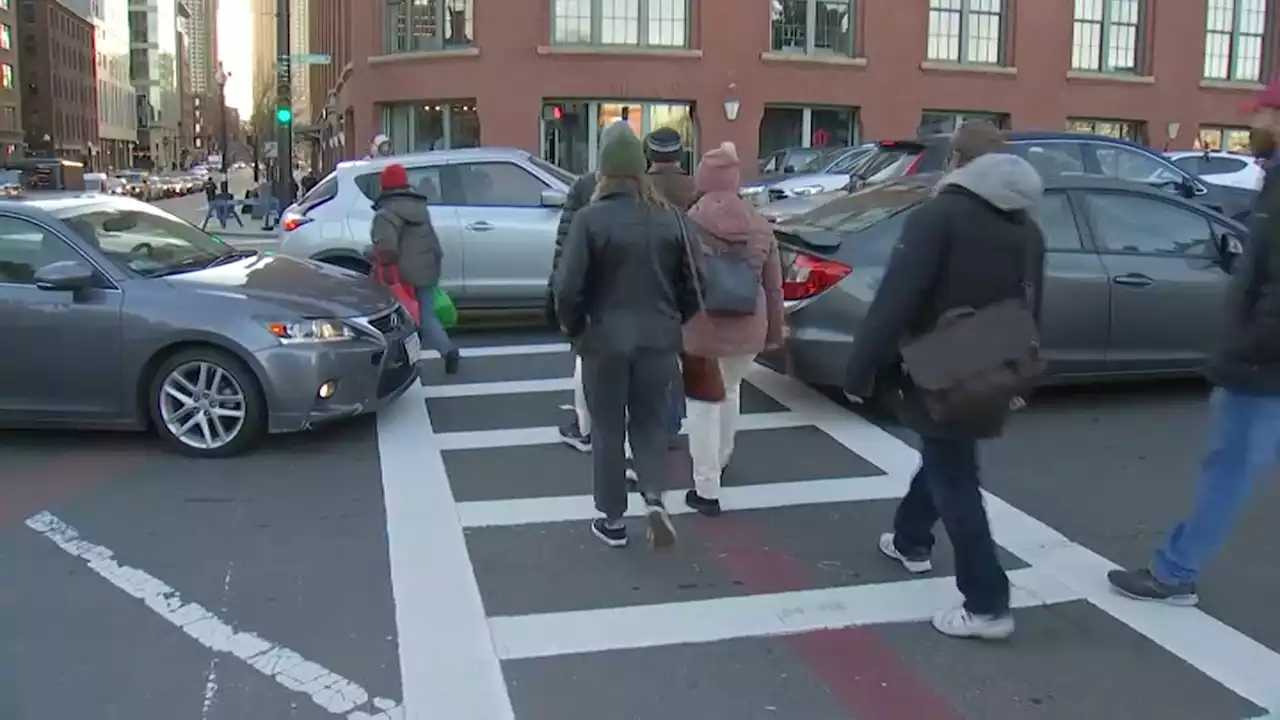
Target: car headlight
751,191
808,190
310,331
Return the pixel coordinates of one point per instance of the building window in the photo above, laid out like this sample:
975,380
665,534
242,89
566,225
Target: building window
4,5
6,36
570,137
425,25
640,23
783,127
966,31
1131,130
1231,139
1105,36
431,125
813,27
6,76
1233,39
947,121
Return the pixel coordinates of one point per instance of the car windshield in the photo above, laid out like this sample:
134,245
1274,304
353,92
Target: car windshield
862,209
150,243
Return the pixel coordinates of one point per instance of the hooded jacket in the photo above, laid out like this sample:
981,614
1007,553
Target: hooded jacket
729,224
972,244
403,236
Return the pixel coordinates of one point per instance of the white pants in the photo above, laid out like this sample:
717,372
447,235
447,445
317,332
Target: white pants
580,403
713,425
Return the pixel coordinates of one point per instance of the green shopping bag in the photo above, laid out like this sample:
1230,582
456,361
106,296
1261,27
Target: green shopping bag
446,312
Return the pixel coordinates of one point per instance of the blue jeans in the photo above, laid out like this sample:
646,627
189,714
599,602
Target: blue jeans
430,331
1244,443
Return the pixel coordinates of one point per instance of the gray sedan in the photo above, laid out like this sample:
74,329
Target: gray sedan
119,315
1136,278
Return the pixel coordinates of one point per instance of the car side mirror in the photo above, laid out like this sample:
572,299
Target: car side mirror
1187,188
551,198
66,275
1229,248
788,169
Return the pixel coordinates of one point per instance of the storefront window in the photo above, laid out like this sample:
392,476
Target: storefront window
784,127
1230,139
571,129
431,125
1131,130
942,121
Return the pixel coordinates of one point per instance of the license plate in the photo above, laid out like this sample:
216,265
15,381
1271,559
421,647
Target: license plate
413,348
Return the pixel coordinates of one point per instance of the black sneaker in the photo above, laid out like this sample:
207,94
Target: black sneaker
705,506
611,536
633,479
662,534
570,435
1142,585
451,361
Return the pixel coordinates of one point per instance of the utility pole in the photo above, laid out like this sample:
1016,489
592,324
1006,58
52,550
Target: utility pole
284,107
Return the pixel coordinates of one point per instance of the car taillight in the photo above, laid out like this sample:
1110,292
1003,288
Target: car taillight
914,167
807,276
294,222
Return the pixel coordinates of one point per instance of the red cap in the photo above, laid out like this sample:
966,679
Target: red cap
394,177
1268,99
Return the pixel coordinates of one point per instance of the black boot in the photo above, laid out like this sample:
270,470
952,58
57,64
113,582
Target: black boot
451,361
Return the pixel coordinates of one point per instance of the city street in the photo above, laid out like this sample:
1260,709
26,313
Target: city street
192,209
436,562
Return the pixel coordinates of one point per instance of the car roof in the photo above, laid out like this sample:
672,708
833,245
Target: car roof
58,203
1023,136
435,157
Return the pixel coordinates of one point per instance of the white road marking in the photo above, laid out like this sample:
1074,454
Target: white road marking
519,437
757,496
506,350
448,667
327,689
499,388
786,613
211,677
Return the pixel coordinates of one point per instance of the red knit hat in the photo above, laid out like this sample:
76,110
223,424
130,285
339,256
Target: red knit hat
1268,99
394,177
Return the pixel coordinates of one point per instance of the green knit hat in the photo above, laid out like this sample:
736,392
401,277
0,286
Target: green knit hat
621,152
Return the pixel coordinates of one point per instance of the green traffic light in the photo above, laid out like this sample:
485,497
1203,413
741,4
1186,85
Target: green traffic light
284,115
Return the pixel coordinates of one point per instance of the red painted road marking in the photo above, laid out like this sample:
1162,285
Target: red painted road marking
869,678
61,479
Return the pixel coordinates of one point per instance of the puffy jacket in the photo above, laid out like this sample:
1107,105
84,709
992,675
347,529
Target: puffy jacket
403,236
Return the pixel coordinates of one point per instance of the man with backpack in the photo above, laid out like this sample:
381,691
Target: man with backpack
972,245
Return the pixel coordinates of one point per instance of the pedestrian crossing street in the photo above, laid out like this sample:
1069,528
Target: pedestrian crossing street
493,565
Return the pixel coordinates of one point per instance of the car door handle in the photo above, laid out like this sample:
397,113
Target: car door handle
1133,280
481,226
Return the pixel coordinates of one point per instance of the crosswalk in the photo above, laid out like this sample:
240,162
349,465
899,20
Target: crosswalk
474,479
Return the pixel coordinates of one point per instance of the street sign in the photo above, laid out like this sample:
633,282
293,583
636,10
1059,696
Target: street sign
270,150
312,59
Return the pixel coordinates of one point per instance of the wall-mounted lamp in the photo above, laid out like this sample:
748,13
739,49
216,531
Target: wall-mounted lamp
731,103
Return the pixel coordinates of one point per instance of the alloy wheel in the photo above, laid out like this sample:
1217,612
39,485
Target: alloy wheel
202,405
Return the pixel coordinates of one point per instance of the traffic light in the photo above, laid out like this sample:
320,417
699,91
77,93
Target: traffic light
284,105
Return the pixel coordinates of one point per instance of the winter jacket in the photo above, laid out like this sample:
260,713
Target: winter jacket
579,195
1248,361
403,236
970,245
625,282
674,185
728,224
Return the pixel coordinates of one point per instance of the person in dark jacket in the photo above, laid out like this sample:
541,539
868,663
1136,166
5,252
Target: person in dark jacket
972,244
1244,428
624,288
664,149
309,181
404,237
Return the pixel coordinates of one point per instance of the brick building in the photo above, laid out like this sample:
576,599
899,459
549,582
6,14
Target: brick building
790,72
11,135
59,81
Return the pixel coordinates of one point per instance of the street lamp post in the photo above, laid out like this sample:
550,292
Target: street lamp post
221,79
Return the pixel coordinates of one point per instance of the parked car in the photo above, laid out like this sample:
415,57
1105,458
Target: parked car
828,173
129,318
1136,278
1221,168
788,160
495,210
1054,153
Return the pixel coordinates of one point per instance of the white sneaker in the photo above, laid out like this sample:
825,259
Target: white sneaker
960,623
913,566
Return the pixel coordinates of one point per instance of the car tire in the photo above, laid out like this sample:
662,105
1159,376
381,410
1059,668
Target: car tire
226,427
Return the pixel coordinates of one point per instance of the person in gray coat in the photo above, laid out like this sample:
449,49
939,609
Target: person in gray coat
404,237
625,286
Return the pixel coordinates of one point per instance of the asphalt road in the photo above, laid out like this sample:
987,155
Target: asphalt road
192,209
438,558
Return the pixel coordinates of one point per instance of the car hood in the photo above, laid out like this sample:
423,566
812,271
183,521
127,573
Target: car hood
304,287
782,210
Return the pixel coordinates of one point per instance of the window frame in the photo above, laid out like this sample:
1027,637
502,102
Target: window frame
1104,40
1087,246
965,15
1098,240
596,9
1233,43
390,12
387,122
811,31
1222,132
457,168
1138,126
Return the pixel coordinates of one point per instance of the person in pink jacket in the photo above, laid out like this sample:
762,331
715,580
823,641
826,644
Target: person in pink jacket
728,224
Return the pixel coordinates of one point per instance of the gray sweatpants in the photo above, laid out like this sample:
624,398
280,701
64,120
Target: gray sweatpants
628,394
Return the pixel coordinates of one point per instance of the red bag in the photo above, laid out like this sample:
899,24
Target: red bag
389,275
